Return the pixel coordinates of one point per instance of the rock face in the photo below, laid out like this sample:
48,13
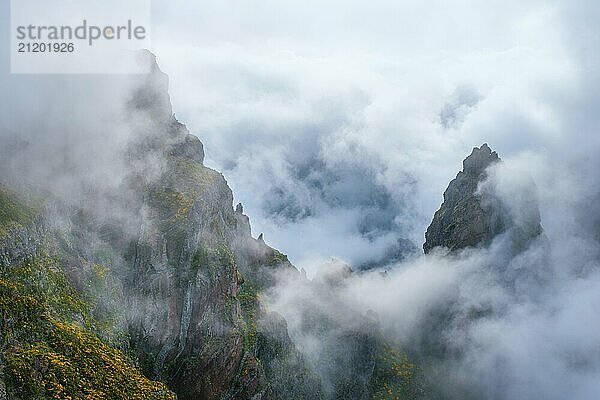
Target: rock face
464,219
194,273
471,217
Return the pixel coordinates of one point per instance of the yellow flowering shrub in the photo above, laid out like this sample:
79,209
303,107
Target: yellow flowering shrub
48,346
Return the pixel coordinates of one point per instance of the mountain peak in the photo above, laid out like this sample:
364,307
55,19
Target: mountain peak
479,159
462,220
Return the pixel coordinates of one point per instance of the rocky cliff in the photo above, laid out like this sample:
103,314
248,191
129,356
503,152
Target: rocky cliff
484,211
472,216
166,272
158,285
192,273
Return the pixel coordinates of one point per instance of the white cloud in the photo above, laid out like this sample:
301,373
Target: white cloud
270,86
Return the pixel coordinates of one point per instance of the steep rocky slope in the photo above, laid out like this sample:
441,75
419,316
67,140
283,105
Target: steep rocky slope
159,281
198,274
163,268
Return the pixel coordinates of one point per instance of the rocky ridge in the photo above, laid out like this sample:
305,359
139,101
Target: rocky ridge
169,284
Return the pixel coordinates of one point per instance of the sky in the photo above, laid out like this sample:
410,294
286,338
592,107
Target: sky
338,124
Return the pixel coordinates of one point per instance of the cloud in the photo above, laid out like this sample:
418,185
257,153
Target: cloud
380,101
403,96
484,323
339,125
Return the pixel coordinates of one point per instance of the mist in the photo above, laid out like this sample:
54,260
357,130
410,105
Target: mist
484,323
339,132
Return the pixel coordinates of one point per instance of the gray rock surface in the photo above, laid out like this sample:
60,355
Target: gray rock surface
464,219
193,272
470,217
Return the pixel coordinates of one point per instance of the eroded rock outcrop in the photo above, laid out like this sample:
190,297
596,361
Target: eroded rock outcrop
464,219
474,212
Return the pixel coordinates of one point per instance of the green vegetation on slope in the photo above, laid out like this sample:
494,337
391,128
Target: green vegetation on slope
249,298
48,347
11,210
395,378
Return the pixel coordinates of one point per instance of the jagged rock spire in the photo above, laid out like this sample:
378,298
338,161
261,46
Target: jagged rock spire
480,158
462,220
469,218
